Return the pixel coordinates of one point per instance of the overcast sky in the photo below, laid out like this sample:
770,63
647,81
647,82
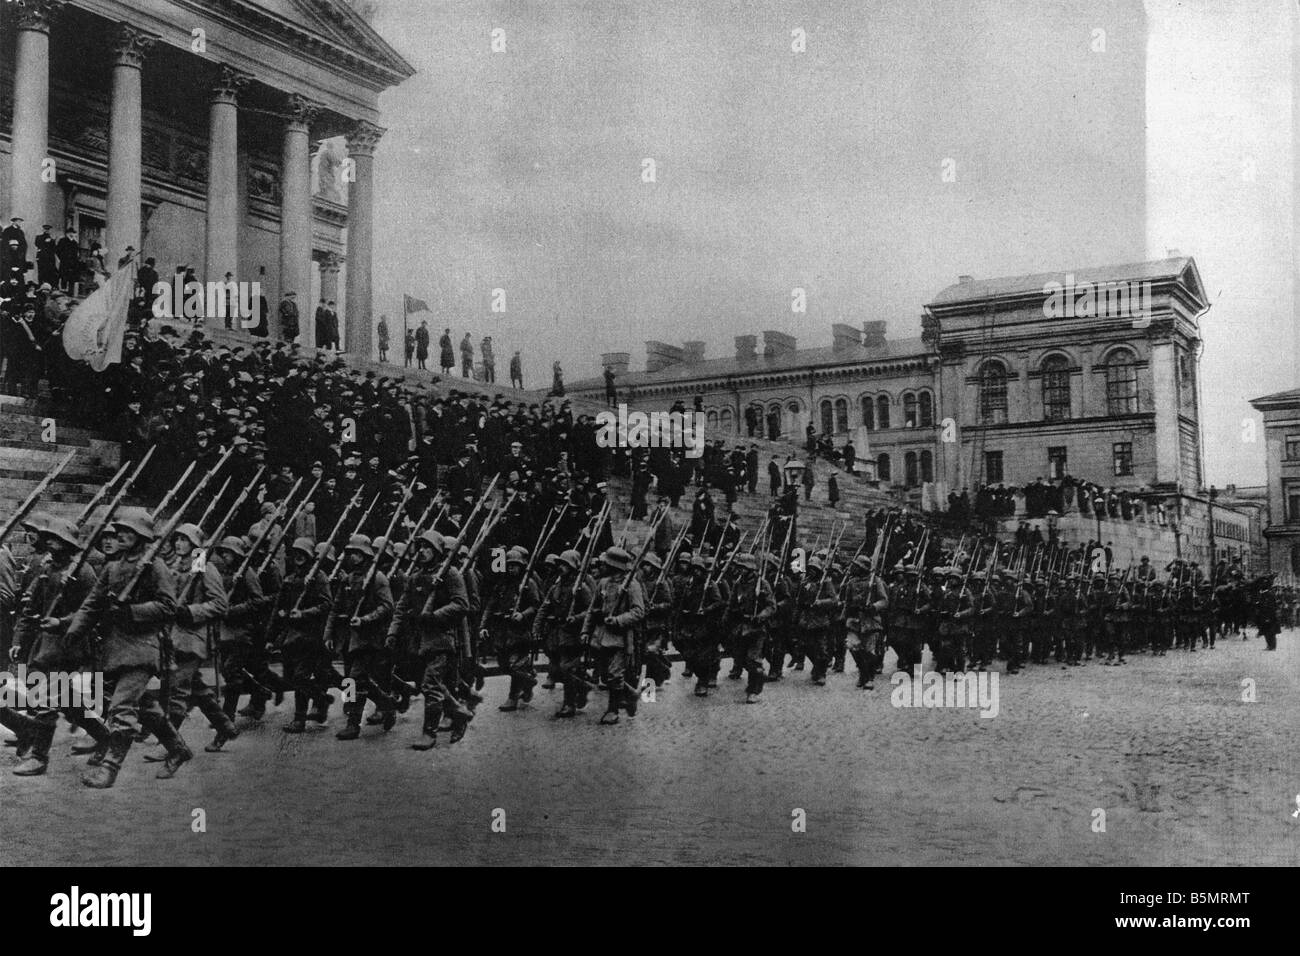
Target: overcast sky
522,170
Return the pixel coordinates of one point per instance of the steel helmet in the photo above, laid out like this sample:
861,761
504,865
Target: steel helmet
234,545
305,545
64,530
359,542
569,558
191,533
137,520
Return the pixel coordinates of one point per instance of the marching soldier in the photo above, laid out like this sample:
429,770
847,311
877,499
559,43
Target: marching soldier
865,602
753,605
816,603
658,619
131,619
427,622
617,611
361,613
204,606
302,607
561,614
702,607
41,640
246,603
956,609
508,620
782,621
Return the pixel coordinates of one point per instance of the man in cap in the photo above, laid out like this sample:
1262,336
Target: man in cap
363,609
426,624
131,604
617,610
49,600
289,317
508,622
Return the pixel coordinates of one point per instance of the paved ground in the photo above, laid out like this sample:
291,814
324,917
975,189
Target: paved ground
1186,773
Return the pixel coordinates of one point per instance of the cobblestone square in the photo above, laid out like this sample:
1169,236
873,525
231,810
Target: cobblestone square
1186,772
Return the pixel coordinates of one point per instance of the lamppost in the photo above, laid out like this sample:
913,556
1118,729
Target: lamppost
789,507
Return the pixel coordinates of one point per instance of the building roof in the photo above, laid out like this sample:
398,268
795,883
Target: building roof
1278,399
337,24
825,356
978,290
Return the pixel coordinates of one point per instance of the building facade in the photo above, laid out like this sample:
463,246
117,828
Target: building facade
993,390
1281,412
190,131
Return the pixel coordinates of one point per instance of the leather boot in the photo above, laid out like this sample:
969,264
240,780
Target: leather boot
38,755
103,775
429,738
320,710
21,725
353,729
178,752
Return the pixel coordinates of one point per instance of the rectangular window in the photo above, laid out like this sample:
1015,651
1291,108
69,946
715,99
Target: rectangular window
1291,496
993,467
1056,461
1122,452
1292,448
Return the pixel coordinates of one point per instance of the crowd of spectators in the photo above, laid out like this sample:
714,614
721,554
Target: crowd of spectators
1061,496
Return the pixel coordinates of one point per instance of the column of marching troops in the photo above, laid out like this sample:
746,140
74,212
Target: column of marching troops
152,598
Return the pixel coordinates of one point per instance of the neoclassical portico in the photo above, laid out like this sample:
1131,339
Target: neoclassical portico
229,150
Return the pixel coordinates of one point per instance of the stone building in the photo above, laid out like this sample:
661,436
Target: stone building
188,130
1282,442
992,390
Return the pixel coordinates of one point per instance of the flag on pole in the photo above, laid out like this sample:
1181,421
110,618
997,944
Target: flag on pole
411,304
93,332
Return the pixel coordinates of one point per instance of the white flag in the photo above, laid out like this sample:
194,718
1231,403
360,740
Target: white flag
94,330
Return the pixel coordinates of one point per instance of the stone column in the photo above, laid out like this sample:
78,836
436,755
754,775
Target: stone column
296,214
124,140
330,265
358,338
223,176
31,115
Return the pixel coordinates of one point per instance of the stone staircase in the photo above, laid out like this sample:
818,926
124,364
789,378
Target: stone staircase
25,459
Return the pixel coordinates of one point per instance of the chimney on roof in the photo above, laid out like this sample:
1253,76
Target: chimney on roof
964,279
692,352
873,334
844,337
1172,253
777,343
661,355
620,362
746,348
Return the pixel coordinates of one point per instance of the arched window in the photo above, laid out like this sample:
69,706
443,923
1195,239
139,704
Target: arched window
882,411
868,413
1121,383
993,394
909,469
909,410
882,468
841,414
927,410
726,420
828,416
711,417
927,466
1056,388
